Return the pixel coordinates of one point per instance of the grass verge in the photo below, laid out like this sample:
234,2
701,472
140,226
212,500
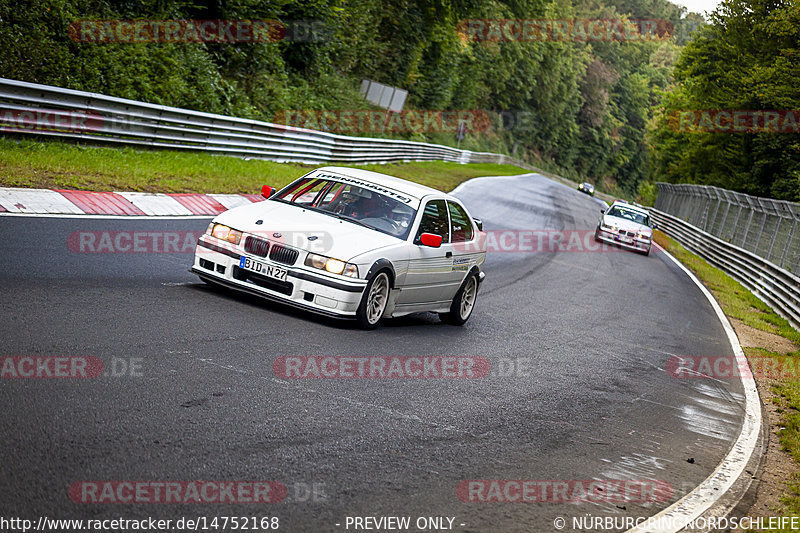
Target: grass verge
761,332
56,165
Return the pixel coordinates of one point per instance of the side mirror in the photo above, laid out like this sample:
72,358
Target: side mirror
429,239
602,211
479,223
655,226
267,191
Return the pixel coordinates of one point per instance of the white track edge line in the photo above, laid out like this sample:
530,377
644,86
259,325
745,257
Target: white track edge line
681,513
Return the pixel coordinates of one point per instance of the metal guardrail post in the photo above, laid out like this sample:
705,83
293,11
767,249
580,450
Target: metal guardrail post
747,228
761,227
708,221
721,230
698,213
740,208
788,243
713,219
760,231
705,206
772,240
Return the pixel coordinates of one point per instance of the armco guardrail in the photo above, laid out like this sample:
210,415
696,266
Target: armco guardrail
766,227
776,286
29,108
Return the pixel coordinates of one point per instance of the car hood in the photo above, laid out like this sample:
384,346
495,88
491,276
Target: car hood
624,224
305,229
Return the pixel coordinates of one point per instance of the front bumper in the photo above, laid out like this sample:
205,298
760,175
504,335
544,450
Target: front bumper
636,244
218,262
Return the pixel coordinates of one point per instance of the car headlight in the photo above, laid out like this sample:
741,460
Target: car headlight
605,227
646,236
334,266
224,233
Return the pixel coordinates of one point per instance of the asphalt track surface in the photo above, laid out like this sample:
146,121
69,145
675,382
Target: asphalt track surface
592,400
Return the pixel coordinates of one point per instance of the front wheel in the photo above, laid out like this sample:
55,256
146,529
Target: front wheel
463,303
373,303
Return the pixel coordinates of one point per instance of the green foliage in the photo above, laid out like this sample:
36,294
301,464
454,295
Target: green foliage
576,106
746,58
647,193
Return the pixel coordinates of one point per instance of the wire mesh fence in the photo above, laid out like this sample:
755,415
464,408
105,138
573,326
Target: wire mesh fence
768,228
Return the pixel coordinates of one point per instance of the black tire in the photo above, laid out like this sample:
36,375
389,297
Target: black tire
463,303
373,301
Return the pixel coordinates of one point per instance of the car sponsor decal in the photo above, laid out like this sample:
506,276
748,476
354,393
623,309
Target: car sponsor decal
461,263
366,185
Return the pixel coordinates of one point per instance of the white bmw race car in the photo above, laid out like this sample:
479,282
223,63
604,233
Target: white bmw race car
626,225
350,243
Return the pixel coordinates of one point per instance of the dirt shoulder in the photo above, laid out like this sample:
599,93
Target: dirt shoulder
779,465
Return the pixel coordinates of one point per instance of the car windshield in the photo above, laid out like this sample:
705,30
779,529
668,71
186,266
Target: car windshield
630,214
360,202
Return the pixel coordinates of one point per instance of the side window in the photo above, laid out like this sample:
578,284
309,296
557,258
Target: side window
460,224
434,220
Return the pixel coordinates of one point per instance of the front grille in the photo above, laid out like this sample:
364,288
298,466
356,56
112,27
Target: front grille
282,254
256,246
283,287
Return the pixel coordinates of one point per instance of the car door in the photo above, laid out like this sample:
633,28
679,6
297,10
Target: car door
464,247
429,269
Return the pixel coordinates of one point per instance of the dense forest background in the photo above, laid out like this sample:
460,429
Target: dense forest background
594,111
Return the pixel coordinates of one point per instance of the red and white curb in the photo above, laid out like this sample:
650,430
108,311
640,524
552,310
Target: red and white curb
63,202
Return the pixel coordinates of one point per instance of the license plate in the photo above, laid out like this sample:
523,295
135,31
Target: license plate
626,240
262,268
